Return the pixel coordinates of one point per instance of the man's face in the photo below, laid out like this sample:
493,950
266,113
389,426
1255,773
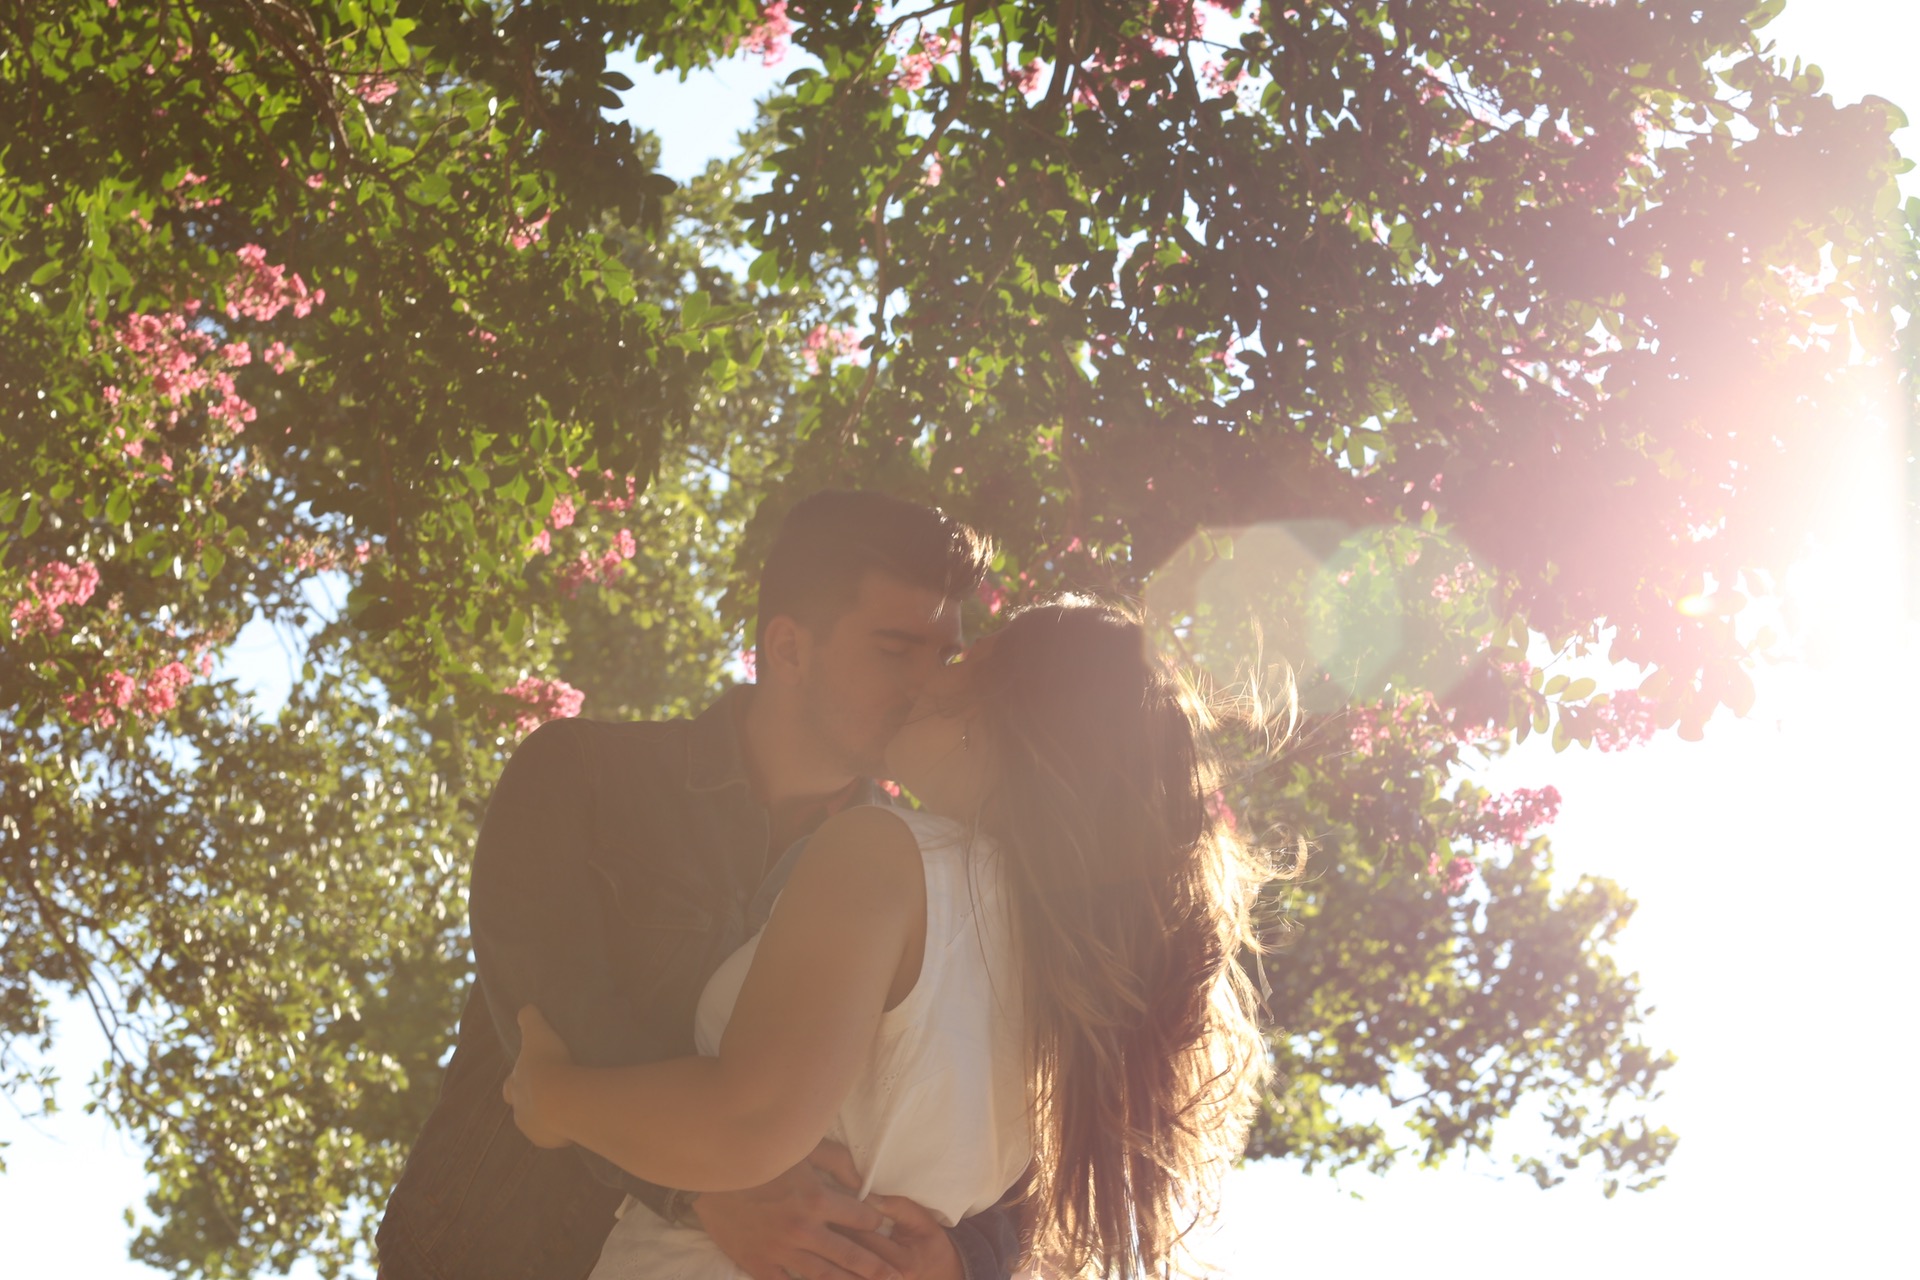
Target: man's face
864,674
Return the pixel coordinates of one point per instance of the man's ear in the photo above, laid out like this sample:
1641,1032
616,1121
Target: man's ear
783,652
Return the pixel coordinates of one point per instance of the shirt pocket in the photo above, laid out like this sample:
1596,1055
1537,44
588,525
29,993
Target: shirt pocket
662,934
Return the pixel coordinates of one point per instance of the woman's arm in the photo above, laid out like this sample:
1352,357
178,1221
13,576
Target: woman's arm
799,1034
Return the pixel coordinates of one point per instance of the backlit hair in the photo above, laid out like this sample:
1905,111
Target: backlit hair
1132,898
832,539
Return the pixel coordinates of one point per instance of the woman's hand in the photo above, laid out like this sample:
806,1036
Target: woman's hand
529,1088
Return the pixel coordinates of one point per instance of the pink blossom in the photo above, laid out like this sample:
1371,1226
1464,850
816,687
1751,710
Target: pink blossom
1626,720
1458,583
278,356
164,686
237,354
935,172
771,37
993,596
890,787
52,587
1365,729
119,691
915,68
562,513
1457,872
375,89
541,544
604,569
232,412
823,342
1514,817
577,573
616,504
749,659
101,705
1027,78
524,234
1219,82
545,700
260,290
316,180
168,352
1222,813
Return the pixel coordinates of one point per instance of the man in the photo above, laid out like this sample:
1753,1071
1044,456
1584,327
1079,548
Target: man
618,864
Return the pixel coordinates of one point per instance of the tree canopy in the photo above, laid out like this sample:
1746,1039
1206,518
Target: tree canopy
1400,340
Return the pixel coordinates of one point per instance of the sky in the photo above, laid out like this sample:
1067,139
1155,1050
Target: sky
1774,864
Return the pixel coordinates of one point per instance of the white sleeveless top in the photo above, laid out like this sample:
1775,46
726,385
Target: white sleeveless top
939,1111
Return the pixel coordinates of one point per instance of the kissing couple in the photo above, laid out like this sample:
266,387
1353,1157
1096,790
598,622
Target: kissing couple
738,1014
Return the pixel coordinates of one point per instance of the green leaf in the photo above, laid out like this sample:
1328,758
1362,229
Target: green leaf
430,188
119,506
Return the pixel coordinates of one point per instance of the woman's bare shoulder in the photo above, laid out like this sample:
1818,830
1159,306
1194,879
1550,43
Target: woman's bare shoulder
866,843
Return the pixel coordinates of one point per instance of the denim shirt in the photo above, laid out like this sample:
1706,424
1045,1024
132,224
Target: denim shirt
617,866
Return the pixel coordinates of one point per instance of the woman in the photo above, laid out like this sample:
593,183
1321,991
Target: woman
1035,972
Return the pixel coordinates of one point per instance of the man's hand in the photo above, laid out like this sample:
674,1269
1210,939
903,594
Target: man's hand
917,1247
786,1227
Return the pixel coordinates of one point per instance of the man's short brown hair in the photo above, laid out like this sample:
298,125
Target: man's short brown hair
832,539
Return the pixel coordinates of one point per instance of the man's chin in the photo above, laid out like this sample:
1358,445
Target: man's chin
872,766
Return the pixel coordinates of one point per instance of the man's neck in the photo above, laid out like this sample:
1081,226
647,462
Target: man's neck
789,767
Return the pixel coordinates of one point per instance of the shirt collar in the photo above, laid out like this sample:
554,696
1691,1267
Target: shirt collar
715,756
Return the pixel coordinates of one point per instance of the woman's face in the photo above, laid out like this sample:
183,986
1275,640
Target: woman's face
940,753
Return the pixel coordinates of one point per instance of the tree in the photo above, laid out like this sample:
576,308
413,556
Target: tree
1394,338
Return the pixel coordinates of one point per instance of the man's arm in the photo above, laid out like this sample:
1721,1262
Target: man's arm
535,913
535,910
800,1033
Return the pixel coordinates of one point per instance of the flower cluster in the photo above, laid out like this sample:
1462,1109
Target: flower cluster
1511,818
261,291
375,89
1456,871
179,359
607,568
617,503
1625,720
50,588
322,556
524,233
119,693
915,67
1451,586
1170,24
545,700
1221,814
772,35
825,343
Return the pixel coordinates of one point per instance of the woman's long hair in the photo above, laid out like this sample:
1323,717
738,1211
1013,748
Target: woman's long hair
1131,897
